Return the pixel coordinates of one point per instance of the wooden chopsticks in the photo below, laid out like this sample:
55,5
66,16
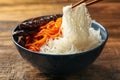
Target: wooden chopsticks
87,3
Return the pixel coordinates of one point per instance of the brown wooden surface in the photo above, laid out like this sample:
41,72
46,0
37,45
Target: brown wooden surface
18,10
13,67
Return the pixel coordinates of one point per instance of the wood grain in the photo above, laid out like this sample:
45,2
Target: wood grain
13,67
18,10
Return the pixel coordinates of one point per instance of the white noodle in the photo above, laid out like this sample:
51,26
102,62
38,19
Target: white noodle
78,35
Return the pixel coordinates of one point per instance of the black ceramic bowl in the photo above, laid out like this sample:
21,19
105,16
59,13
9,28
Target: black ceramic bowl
51,63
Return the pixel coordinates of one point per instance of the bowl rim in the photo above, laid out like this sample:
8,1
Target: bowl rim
52,54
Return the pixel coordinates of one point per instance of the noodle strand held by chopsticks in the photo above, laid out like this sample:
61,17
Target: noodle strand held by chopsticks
45,32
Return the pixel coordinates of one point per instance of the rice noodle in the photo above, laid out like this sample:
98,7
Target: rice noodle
77,33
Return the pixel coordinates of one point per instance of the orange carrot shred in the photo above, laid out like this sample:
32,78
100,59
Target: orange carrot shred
45,32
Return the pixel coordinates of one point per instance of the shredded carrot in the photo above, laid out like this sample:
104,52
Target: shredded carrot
45,32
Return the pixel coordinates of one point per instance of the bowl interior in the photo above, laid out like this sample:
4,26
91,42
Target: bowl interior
103,31
95,25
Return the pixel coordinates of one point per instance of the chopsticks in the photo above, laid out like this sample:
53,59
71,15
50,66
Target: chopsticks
87,3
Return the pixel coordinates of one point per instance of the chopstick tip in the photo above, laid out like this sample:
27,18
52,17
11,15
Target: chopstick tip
87,3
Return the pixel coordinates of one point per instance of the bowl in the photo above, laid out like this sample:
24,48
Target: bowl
53,63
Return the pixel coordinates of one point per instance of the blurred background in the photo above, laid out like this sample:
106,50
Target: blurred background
19,10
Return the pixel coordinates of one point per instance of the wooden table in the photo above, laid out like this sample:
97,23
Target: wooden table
106,67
